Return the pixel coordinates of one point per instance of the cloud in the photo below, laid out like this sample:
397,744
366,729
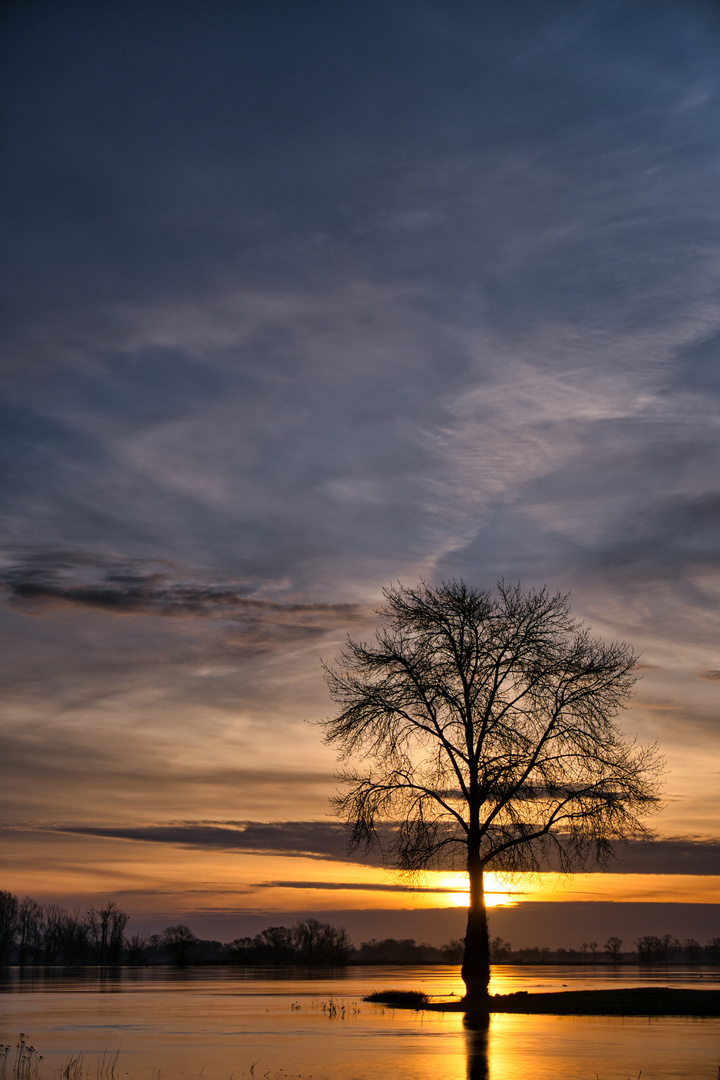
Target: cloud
674,855
141,588
354,886
321,840
328,841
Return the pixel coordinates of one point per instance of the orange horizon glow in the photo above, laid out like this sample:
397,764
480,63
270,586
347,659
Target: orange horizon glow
74,871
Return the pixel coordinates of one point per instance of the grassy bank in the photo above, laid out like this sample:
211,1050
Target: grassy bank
640,1001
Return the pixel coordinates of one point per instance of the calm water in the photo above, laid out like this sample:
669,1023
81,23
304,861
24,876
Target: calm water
269,1025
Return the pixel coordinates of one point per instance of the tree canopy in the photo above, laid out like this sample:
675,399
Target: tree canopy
480,731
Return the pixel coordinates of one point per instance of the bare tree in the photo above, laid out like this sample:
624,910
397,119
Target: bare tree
106,927
613,947
712,949
485,730
69,934
136,949
669,948
180,942
649,949
31,931
500,950
8,925
321,943
54,916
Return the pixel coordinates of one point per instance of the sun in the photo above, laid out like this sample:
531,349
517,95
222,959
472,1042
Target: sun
497,893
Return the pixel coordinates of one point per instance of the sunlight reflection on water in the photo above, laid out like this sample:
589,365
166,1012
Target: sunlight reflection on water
279,1025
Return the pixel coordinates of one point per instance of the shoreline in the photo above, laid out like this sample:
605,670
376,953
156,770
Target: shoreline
634,1001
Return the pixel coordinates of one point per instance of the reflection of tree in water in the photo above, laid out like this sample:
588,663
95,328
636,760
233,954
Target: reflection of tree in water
476,1040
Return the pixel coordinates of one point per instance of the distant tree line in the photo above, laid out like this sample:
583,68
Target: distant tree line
406,951
309,943
645,950
32,933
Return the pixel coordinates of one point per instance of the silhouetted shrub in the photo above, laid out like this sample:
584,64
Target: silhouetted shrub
398,997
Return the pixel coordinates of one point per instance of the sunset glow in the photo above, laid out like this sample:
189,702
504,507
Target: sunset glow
497,890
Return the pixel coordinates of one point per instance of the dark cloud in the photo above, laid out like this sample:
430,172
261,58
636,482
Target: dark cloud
354,886
674,855
309,838
327,841
146,589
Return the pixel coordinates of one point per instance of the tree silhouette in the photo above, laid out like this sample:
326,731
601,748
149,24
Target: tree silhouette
106,927
613,947
484,730
180,942
8,924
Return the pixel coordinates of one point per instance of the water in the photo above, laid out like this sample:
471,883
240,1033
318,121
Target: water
234,1023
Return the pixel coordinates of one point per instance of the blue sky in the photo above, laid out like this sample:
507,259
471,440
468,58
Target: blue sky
302,300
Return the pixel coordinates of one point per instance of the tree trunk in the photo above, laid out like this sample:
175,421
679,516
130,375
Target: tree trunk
476,961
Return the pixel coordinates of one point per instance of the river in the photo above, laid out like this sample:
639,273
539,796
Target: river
232,1024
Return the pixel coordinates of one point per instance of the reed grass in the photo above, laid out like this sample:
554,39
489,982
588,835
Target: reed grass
398,997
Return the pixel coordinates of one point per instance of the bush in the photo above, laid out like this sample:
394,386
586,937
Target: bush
398,997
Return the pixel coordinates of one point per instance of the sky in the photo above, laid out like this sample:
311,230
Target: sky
304,300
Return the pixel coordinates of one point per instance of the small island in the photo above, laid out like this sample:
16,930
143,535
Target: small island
633,1001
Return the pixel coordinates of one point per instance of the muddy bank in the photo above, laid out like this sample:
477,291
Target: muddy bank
640,1001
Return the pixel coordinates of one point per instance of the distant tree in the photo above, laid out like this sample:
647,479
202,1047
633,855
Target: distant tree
239,950
180,942
30,931
106,927
452,953
613,947
72,933
8,925
657,950
136,948
54,916
669,948
500,950
693,950
486,728
321,943
274,945
712,950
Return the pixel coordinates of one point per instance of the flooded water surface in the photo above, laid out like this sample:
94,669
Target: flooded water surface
278,1025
